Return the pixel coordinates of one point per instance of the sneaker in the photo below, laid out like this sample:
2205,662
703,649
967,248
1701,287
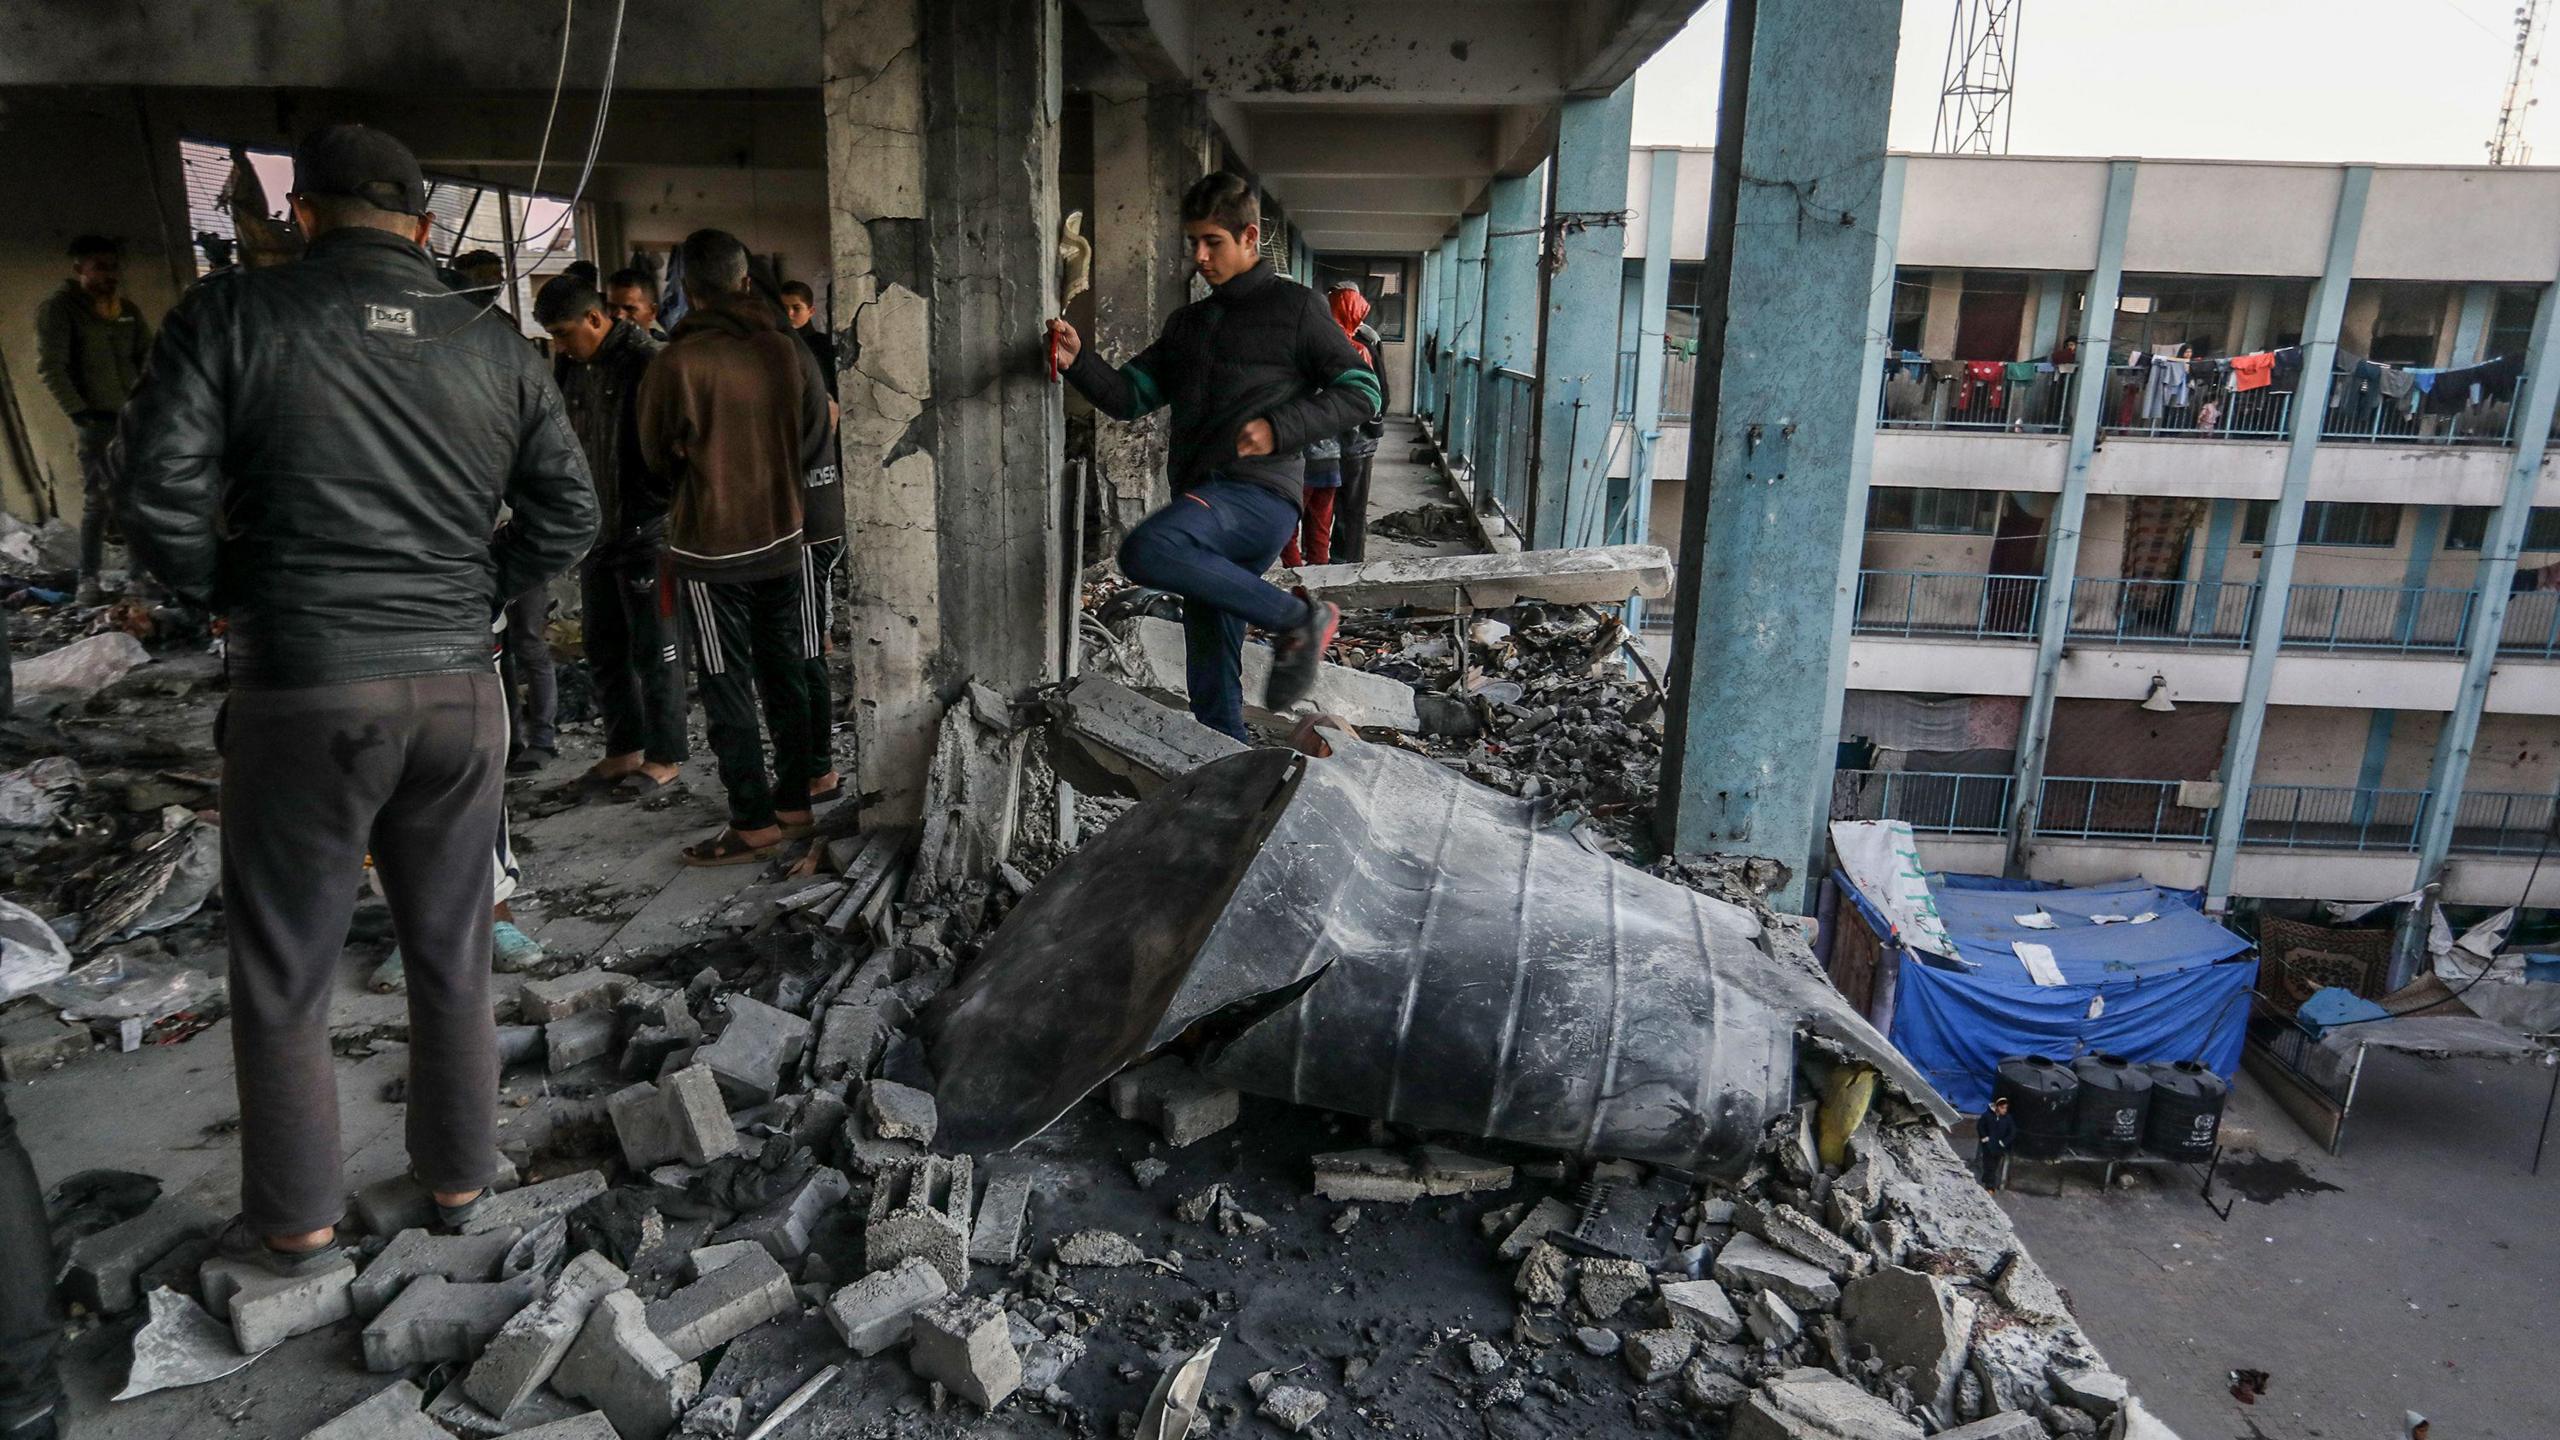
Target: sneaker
237,1243
1293,669
512,950
531,759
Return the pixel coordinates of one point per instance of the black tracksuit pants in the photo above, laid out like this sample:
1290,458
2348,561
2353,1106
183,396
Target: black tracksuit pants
752,641
637,660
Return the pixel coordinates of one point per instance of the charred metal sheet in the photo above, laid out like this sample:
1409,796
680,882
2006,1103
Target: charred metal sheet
1371,932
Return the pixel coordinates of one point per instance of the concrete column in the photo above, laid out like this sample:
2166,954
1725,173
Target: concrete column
1444,388
1147,148
1661,194
1515,213
2070,510
2284,533
2479,308
1578,343
943,208
1425,301
2052,303
1469,343
1790,365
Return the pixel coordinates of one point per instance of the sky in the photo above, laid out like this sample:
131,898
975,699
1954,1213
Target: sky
2405,81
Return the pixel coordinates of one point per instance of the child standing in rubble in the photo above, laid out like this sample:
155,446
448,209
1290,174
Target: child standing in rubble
1254,374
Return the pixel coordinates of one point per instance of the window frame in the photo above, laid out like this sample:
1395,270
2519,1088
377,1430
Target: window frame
2318,518
1925,511
2541,527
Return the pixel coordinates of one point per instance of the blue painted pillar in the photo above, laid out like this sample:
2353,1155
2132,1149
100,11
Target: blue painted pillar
2284,534
2377,755
2070,509
2498,552
2426,533
2471,324
1578,344
2053,301
1468,341
2204,615
1653,309
1790,365
1506,414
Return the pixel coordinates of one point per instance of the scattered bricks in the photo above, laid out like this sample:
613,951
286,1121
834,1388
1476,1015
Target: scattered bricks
822,1114
265,1309
1914,1319
850,1039
1708,1388
413,1253
721,1416
1749,1263
530,1206
103,1265
641,1123
1540,1279
651,1047
724,1304
454,1411
1770,1320
1654,1355
1292,1407
524,1352
1802,1236
2007,1425
898,1112
1607,1285
1810,1404
398,1202
539,1002
517,1044
591,1426
573,1040
784,1228
922,1209
1702,1306
758,1045
877,1311
965,1344
996,1236
392,1414
621,1368
436,1320
699,1115
1547,1215
870,1156
1395,1179
1099,1249
711,1257
1169,1095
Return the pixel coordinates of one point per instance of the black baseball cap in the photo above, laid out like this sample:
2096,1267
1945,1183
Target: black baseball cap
361,162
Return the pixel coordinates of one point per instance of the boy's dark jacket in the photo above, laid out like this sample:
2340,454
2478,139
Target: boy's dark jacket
1259,348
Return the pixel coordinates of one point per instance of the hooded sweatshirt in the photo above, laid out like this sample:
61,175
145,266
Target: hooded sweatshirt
1350,310
729,411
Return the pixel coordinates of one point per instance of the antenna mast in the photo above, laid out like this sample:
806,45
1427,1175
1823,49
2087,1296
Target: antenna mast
1975,101
2507,145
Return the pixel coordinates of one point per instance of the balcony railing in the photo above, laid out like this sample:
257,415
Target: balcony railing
2281,817
2135,406
2393,619
1506,412
1679,386
1911,400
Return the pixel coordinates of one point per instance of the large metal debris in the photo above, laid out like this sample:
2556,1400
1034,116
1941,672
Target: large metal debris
1371,933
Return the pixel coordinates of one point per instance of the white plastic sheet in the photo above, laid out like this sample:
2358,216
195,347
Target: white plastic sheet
31,796
31,954
81,668
1883,861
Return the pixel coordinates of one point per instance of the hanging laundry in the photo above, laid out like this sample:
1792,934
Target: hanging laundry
2024,370
2164,388
2288,367
2253,372
1983,385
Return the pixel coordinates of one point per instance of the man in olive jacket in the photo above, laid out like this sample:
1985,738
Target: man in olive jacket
320,451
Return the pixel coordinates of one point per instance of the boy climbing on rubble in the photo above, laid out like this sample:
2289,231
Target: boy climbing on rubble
1254,373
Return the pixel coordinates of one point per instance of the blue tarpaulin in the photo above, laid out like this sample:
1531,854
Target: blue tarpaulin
2165,989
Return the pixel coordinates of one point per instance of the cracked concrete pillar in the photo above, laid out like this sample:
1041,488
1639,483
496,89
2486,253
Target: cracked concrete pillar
942,149
1147,148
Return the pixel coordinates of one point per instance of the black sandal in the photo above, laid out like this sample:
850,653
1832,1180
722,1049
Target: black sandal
640,785
727,848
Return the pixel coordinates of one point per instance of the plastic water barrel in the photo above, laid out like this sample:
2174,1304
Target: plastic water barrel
2040,1094
2115,1099
2186,1111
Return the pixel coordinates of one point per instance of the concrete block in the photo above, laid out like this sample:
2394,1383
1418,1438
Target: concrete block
1395,1177
1606,1285
869,1156
591,1426
898,1112
626,1371
995,1238
1119,742
573,1040
699,1114
392,1414
2007,1425
757,1048
784,1228
1169,1095
922,1209
539,1002
1915,1319
707,1258
876,1311
1771,1320
643,1126
398,1202
1101,1249
1802,1236
104,1265
530,1346
723,1305
850,1039
1810,1404
2100,1392
1708,1388
413,1253
965,1344
1549,1214
1750,1263
265,1309
1702,1306
1593,575
530,1206
454,1411
1654,1355
438,1320
1292,1407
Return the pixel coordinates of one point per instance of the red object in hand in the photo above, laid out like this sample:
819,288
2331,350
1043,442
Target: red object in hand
1052,347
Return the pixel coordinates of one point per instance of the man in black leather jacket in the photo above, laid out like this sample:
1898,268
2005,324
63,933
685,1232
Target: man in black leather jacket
320,452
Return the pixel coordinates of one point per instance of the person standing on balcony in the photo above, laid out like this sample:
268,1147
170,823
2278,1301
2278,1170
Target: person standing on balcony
1360,442
1254,373
90,345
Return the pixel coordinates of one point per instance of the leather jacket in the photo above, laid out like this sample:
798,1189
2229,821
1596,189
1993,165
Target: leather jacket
320,452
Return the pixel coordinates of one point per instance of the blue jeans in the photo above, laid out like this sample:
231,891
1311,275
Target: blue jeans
1210,546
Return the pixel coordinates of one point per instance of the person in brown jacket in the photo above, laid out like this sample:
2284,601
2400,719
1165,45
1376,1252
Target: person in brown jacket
730,413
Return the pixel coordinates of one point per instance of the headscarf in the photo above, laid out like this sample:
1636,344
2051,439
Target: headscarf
2410,1426
1350,307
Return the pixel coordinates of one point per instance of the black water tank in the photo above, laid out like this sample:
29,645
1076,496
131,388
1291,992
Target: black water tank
2115,1096
2039,1092
2186,1111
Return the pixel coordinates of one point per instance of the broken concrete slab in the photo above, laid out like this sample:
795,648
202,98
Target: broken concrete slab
1118,742
591,1426
1702,1306
540,1002
626,1371
851,1038
785,1227
898,1112
2007,1425
574,1039
1592,575
104,1265
754,1050
995,1237
393,1413
2100,1392
1802,1236
1292,1407
964,1343
530,1205
1916,1319
1810,1404
1771,1320
1708,1388
1100,1249
642,1126
1655,1355
436,1320
1353,695
1749,1263
1544,1218
1399,1177
453,1410
413,1253
1606,1286
724,1304
529,1347
1171,1096
265,1308
922,1210
878,1310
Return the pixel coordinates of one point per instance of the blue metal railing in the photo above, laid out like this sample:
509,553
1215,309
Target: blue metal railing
2137,406
1947,604
1679,386
2095,807
1622,395
1506,414
1931,802
2332,817
1913,399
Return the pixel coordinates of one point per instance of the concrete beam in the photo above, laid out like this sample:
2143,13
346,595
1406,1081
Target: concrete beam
1335,145
1153,36
1438,197
1616,37
1414,52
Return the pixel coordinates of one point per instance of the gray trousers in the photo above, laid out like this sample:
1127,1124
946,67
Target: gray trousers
413,771
533,684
